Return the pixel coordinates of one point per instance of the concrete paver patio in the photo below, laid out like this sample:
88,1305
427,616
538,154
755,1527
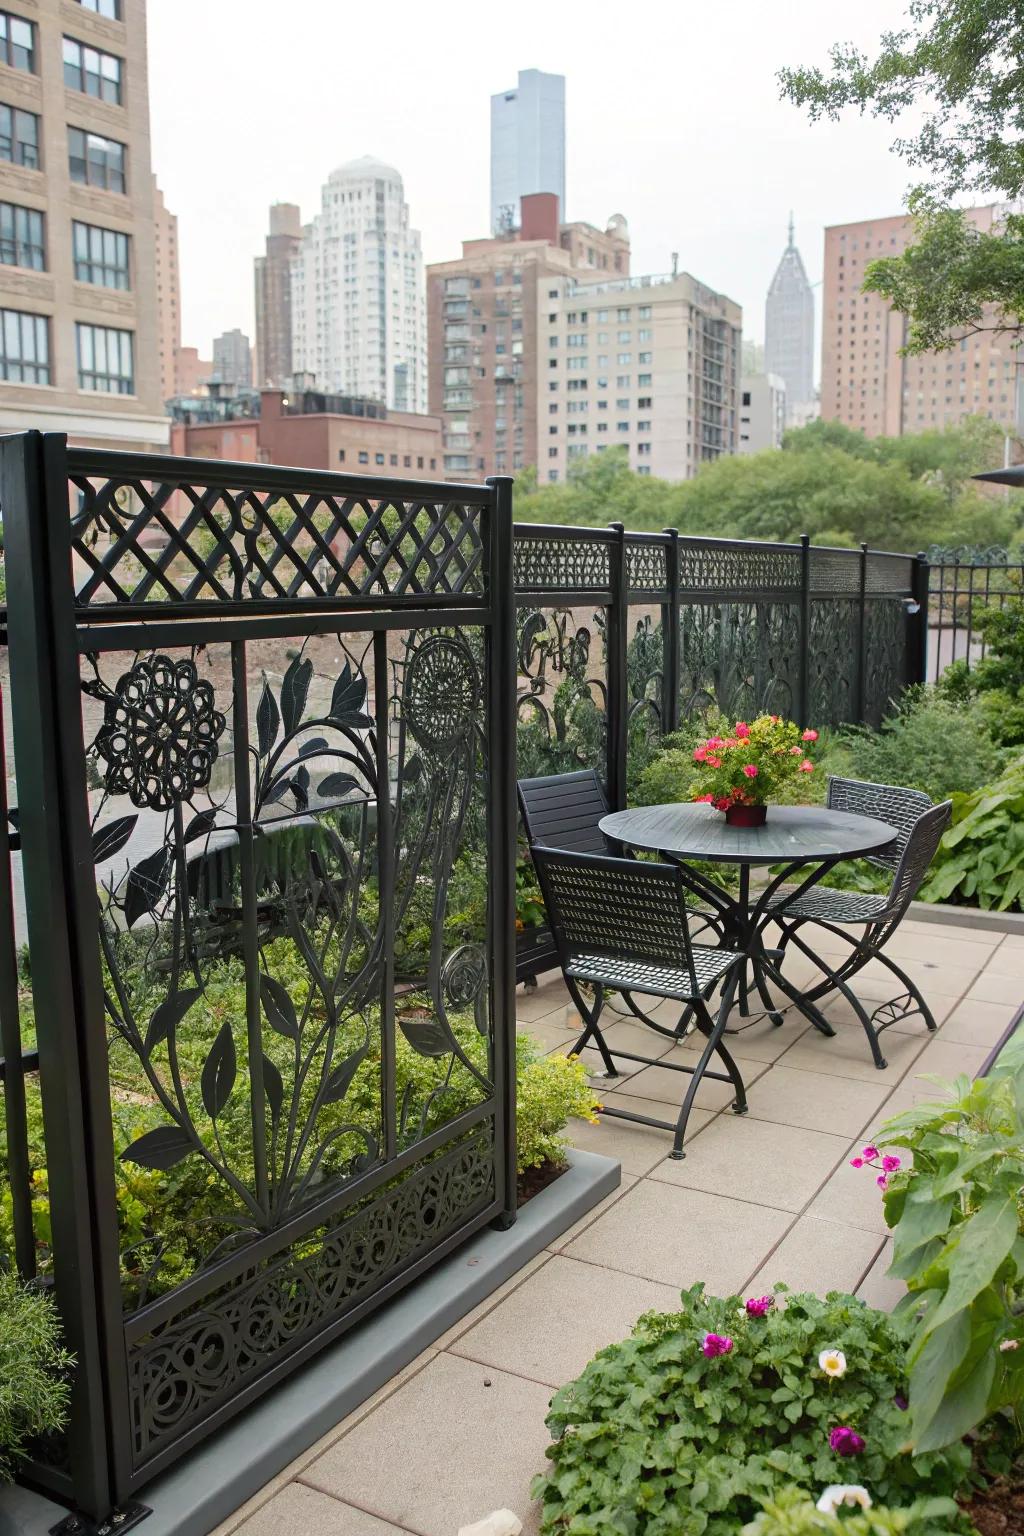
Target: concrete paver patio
757,1199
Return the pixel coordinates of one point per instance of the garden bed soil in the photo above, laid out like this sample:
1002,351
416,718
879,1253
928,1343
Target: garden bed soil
999,1511
533,1180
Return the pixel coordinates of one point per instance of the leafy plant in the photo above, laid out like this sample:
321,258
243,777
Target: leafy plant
34,1369
931,742
998,678
980,860
688,1426
959,1247
791,1514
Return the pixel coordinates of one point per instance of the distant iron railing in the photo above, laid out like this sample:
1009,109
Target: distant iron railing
963,581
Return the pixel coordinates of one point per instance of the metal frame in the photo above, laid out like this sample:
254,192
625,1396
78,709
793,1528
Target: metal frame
958,583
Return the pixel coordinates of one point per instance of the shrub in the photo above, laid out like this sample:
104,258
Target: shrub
661,1436
980,860
933,742
999,677
34,1368
793,1515
551,1090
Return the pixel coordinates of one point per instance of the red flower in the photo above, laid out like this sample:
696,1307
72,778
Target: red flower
809,736
742,730
750,769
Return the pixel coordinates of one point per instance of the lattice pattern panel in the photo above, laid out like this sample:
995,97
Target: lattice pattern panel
832,659
709,567
834,570
561,565
646,567
202,1358
890,573
885,658
742,657
143,541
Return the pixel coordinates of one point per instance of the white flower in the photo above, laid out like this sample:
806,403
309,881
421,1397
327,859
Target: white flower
832,1362
838,1494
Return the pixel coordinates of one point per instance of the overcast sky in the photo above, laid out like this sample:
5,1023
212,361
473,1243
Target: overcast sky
672,117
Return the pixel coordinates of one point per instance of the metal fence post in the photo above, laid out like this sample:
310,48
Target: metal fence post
917,647
804,672
44,667
862,620
670,637
502,819
618,679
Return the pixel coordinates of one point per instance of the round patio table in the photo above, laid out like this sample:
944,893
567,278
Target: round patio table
811,839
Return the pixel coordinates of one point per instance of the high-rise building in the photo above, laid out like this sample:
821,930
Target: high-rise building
168,292
483,312
232,359
762,412
192,373
789,327
865,382
651,364
274,296
79,329
358,318
527,145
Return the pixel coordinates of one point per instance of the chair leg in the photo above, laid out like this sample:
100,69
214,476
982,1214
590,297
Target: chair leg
715,1030
912,990
869,1028
591,1031
769,1002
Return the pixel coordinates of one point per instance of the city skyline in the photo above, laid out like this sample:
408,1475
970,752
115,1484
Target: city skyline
631,138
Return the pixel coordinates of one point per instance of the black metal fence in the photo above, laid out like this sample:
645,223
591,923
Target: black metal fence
258,1062
963,582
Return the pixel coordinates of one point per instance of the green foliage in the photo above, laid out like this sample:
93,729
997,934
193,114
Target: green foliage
958,1246
998,678
980,861
655,1439
34,1371
793,1515
931,742
550,1090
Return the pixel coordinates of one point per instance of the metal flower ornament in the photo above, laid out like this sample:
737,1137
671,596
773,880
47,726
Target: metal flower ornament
160,732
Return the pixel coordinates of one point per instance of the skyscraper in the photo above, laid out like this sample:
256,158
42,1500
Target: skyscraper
789,328
232,359
527,145
358,311
274,296
168,292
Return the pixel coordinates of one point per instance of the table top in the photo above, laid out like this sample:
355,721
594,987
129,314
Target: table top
805,833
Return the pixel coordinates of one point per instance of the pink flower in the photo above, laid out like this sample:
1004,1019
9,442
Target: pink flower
713,743
795,752
882,1181
845,1441
742,730
722,803
757,1306
700,754
716,1344
809,736
806,766
869,1152
704,799
750,769
856,1162
713,762
890,1164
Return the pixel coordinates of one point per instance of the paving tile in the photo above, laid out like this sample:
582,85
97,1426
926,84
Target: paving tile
847,1053
839,1010
668,1087
991,987
549,1034
990,937
877,1288
948,1058
1007,960
938,946
679,1236
818,1101
744,1159
974,1022
549,994
630,1035
817,1256
851,1197
759,1040
562,1241
548,1328
931,976
448,1338
456,1442
297,1511
637,1147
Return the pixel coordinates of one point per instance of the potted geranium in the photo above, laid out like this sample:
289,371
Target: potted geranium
739,774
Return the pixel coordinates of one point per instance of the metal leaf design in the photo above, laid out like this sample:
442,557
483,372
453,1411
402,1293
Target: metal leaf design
147,882
219,1072
278,1007
169,1015
161,1148
313,745
273,1085
340,1079
294,689
427,1035
335,785
348,699
268,720
110,837
200,825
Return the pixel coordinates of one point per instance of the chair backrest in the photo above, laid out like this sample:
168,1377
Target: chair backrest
623,908
918,852
901,808
562,810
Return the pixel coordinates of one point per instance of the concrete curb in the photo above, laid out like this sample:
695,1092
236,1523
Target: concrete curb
209,1485
966,917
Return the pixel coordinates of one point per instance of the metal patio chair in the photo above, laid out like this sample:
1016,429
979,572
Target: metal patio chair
919,826
620,925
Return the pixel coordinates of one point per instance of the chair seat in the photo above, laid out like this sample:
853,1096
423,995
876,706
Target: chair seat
824,904
648,976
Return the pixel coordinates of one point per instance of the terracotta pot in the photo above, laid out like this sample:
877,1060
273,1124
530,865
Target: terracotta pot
746,815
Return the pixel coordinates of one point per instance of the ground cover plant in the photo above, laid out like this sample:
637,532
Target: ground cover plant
34,1370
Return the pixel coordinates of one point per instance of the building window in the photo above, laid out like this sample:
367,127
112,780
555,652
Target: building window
21,237
378,458
645,357
644,403
364,457
17,42
92,71
341,455
105,359
109,8
407,461
100,255
644,312
393,459
624,359
95,161
19,137
24,347
644,379
552,453
419,463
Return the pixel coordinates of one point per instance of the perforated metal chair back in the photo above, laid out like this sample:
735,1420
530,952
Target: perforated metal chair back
619,909
901,808
562,810
918,852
